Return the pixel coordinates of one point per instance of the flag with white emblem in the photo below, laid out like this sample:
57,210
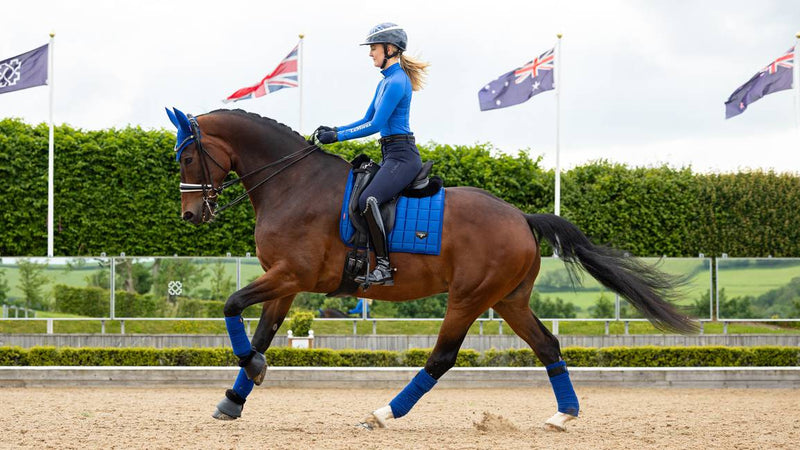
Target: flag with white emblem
520,84
24,71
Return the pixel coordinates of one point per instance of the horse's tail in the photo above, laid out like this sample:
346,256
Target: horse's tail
648,289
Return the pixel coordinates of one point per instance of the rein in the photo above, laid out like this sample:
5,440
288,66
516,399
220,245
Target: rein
210,193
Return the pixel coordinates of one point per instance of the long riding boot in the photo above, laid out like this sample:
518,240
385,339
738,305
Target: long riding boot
382,274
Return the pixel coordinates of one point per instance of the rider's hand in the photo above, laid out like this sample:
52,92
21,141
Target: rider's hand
327,137
314,139
322,128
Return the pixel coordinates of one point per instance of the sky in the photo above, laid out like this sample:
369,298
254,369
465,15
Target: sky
643,83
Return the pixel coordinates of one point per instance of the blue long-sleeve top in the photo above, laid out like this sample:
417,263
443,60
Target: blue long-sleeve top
389,110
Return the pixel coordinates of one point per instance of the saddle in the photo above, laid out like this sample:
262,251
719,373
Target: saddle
364,170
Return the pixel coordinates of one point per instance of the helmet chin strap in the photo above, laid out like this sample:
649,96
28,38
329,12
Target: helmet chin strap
387,56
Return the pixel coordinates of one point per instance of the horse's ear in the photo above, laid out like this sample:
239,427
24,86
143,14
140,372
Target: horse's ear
183,121
172,117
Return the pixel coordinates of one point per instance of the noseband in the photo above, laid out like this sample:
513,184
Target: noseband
210,193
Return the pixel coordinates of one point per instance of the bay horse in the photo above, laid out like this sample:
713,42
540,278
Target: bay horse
489,258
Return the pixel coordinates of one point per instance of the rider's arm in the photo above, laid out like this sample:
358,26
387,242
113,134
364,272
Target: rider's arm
391,98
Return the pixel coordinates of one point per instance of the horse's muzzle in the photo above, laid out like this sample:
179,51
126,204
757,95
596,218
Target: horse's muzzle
192,217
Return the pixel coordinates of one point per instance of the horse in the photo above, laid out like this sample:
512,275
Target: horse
490,254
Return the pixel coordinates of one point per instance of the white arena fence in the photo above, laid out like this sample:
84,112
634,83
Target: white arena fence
719,289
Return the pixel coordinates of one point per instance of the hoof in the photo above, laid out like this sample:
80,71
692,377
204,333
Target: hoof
378,418
558,422
256,368
219,415
371,422
227,409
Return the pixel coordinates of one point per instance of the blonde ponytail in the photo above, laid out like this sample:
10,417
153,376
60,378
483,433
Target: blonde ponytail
416,70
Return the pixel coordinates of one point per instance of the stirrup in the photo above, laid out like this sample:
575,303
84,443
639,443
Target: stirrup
380,276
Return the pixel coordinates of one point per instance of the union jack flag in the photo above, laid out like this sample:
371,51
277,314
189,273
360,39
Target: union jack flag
776,76
543,62
787,60
284,76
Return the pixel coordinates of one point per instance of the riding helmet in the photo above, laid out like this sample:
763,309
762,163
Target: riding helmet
387,33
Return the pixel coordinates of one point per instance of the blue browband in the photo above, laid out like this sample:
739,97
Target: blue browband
185,134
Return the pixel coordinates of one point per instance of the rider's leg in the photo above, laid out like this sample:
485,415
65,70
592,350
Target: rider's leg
400,165
382,274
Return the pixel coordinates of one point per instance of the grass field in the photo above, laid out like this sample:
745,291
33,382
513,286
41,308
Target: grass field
754,281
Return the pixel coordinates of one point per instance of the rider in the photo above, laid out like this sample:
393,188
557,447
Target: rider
388,113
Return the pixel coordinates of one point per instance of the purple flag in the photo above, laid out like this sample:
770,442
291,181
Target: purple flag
24,71
777,76
520,84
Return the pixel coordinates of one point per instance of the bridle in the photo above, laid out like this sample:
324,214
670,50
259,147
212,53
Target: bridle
210,192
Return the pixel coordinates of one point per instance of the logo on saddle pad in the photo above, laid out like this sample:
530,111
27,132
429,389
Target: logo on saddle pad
421,234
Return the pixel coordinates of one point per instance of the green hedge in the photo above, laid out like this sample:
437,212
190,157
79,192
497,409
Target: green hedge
127,186
88,301
284,356
131,304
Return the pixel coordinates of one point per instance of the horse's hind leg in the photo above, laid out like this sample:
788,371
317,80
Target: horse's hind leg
443,357
272,316
516,312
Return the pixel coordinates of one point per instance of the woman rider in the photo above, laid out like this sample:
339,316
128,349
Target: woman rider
388,113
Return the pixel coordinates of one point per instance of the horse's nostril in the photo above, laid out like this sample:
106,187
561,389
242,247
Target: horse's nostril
188,215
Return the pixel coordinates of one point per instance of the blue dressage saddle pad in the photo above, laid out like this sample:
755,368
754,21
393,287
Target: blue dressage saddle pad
417,225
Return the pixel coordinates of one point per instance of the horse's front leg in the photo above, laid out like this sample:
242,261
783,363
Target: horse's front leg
277,291
272,316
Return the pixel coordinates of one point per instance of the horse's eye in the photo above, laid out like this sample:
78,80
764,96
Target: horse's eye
187,161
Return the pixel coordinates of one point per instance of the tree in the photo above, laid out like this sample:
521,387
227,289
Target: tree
31,283
222,285
3,286
434,306
552,309
183,270
603,308
736,307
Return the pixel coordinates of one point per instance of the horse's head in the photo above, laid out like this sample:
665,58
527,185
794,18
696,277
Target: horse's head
204,165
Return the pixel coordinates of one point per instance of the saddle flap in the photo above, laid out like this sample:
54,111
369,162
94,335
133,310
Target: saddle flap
364,170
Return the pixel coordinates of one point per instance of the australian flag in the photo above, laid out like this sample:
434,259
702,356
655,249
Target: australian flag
284,76
24,71
777,76
520,84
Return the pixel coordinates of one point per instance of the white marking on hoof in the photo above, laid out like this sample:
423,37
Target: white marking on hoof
558,422
378,418
222,416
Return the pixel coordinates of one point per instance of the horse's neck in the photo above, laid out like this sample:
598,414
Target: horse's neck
293,189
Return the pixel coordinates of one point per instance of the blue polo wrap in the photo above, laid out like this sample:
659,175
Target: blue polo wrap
562,387
243,385
239,340
411,394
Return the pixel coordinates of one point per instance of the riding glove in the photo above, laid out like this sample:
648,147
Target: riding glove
328,137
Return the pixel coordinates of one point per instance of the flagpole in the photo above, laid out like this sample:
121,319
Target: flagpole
300,79
50,155
796,81
558,125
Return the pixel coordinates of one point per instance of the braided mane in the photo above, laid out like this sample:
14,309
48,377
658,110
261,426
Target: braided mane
261,120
